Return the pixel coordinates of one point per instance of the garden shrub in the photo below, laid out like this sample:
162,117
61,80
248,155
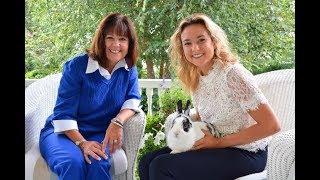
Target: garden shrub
169,98
154,137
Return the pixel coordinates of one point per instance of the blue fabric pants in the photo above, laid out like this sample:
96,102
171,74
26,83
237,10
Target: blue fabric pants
208,164
67,161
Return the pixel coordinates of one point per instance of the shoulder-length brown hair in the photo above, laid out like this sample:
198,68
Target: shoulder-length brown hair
187,72
122,26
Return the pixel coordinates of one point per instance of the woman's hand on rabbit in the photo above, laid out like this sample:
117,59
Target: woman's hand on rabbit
208,141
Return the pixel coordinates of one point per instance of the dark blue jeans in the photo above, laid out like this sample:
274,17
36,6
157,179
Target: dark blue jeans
211,164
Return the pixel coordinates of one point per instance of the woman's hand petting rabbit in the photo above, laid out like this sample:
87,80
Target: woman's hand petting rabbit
208,141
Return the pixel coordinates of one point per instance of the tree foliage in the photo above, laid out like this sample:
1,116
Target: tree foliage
260,32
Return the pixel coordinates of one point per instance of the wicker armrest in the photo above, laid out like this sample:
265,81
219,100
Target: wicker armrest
133,134
281,155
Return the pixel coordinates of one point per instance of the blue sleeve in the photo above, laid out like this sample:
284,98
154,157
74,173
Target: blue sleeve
133,88
133,96
65,111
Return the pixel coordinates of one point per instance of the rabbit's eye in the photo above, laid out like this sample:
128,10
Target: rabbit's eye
186,125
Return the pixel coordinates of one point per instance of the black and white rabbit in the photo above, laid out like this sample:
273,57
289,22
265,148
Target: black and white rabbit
182,132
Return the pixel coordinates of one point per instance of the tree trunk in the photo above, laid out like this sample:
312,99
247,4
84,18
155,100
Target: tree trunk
167,74
150,71
161,69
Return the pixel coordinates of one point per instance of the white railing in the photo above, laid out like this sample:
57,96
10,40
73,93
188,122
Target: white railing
148,84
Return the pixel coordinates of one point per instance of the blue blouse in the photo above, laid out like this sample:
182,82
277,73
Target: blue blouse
89,96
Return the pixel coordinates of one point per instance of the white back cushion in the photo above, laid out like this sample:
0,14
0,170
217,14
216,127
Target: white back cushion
40,98
279,88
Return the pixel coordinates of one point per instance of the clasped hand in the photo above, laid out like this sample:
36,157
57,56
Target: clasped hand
113,138
94,149
207,142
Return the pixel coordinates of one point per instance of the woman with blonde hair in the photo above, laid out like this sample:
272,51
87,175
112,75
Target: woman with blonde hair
224,94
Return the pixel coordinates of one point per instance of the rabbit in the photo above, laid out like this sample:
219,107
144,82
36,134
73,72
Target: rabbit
182,132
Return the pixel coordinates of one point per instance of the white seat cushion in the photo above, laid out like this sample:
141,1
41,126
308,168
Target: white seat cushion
119,156
119,162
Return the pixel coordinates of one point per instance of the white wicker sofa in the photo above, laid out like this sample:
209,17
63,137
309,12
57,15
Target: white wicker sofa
40,99
279,88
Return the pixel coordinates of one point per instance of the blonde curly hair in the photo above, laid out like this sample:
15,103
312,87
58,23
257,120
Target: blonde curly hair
187,72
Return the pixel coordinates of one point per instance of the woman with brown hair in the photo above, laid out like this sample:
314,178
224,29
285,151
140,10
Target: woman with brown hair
98,93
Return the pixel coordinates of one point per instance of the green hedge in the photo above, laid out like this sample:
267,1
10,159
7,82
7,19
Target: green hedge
154,131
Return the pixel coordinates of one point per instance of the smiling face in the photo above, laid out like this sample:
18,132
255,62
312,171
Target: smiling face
198,47
116,47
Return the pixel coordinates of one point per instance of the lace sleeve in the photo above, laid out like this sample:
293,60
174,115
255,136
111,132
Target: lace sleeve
244,89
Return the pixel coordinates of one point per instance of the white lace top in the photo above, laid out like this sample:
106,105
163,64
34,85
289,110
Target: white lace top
223,98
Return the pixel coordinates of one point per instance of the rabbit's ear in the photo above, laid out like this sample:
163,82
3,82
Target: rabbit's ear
187,110
179,106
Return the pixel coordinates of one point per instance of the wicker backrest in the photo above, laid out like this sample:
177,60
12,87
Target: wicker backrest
40,98
279,88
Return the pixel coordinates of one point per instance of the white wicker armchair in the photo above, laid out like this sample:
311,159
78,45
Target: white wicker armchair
40,99
279,88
